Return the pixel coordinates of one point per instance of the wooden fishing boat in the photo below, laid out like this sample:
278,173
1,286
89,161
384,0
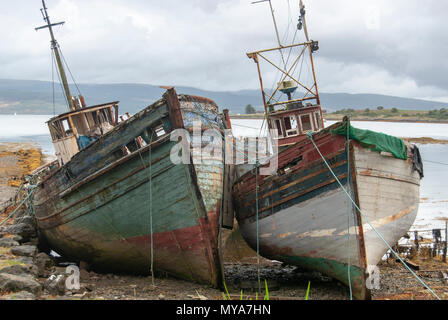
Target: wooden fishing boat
115,200
300,214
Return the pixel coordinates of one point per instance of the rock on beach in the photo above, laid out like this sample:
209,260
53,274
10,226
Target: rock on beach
16,283
24,250
8,243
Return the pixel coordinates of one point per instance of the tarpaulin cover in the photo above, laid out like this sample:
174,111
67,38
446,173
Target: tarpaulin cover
375,140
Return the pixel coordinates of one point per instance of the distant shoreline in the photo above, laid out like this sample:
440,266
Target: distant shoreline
390,120
257,116
261,117
425,140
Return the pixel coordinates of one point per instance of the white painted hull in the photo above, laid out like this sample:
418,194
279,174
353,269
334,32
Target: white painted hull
389,193
387,190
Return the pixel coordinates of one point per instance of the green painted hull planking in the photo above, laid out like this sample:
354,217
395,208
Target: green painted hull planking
107,214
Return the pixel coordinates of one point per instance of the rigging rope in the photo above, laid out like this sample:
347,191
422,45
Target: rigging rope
150,202
243,126
68,68
310,136
258,235
444,164
60,83
150,211
52,82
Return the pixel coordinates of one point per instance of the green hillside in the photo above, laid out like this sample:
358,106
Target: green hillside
36,97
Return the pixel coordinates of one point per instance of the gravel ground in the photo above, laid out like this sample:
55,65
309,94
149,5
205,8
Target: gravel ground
240,268
284,282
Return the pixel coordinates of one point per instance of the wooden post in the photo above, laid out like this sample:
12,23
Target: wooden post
227,203
444,249
116,114
227,118
416,240
174,111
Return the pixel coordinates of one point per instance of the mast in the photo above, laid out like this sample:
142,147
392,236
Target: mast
55,48
289,115
305,29
311,92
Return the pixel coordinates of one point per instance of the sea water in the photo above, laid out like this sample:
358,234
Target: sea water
433,208
26,128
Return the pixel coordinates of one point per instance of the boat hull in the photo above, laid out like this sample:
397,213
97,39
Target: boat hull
304,215
109,212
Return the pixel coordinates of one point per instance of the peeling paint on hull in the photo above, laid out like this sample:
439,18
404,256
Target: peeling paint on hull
96,208
303,214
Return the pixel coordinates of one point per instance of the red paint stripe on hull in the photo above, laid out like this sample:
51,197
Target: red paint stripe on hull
189,252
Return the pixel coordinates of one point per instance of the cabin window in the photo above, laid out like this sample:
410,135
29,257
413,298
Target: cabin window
106,115
290,125
146,135
101,116
132,146
66,126
318,121
95,117
159,131
287,123
306,122
278,125
140,142
56,131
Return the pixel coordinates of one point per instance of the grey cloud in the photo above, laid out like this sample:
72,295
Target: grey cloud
411,44
202,43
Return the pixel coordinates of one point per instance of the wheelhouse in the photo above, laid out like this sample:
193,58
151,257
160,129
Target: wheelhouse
294,123
73,131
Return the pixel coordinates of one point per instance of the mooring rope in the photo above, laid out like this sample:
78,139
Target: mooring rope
150,203
349,210
31,189
258,235
310,136
225,168
150,211
436,162
17,208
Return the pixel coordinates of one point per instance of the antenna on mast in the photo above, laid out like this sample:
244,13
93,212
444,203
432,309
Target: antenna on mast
313,46
275,26
55,48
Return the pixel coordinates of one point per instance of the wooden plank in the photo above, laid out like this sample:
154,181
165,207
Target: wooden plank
174,111
296,195
113,165
228,210
410,264
445,276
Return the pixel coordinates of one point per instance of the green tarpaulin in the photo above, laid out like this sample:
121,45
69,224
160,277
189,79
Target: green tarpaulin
375,140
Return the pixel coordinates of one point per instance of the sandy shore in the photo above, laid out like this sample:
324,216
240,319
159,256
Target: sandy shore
16,161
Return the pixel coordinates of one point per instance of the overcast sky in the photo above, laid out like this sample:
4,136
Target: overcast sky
388,47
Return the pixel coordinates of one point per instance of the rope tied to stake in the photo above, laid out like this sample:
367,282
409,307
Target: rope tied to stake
28,198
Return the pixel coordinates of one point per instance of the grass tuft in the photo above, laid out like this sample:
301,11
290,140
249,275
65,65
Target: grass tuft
308,291
9,263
